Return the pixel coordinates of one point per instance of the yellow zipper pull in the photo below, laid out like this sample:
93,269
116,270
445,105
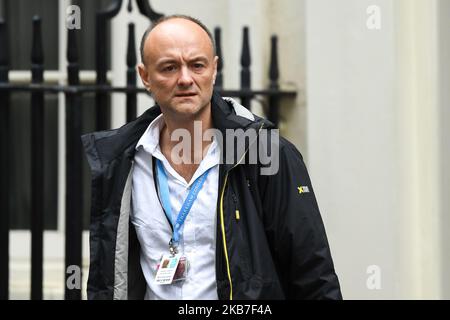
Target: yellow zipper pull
237,215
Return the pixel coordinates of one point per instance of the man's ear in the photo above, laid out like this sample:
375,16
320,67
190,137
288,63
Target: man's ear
144,75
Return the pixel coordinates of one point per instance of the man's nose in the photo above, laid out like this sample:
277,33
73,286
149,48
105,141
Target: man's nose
185,78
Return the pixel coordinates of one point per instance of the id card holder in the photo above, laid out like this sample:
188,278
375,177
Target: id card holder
171,269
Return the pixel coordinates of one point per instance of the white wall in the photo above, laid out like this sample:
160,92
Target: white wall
351,127
373,136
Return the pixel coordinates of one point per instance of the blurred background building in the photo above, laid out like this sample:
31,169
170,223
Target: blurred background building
371,117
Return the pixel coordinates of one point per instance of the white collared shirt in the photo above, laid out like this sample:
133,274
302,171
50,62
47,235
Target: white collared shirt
198,234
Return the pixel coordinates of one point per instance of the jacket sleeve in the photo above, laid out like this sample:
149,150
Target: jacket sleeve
96,287
295,230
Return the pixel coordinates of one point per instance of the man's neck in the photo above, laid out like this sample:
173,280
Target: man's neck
196,127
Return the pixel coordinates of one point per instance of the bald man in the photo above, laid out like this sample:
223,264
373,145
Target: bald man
177,213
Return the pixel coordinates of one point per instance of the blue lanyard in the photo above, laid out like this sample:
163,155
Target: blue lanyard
187,205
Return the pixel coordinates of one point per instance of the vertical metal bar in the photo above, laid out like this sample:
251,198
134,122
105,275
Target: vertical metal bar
37,163
101,99
4,164
274,73
218,41
245,64
131,73
74,195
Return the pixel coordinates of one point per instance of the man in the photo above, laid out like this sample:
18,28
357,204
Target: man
184,223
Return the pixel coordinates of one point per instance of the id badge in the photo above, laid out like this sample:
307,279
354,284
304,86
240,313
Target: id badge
171,269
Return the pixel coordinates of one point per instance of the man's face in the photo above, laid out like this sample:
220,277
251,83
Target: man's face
180,67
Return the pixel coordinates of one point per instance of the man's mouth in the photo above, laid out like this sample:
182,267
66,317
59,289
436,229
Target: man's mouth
186,94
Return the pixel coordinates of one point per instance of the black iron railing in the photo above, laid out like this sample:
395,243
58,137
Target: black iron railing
37,162
73,92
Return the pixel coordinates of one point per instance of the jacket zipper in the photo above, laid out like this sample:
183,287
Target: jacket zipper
224,239
222,223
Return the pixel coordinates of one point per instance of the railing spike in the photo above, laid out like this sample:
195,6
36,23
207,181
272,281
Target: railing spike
245,64
273,70
37,55
131,73
74,192
218,42
37,163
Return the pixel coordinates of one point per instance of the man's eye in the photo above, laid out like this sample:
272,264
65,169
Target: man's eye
169,68
198,66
